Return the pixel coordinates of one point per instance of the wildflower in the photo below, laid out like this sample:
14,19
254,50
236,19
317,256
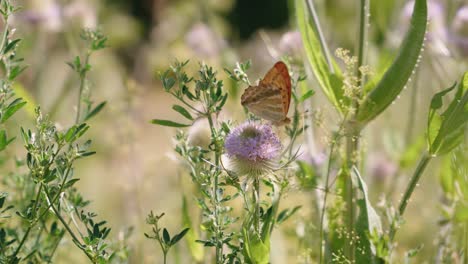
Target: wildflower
291,43
48,16
253,148
381,167
204,41
459,30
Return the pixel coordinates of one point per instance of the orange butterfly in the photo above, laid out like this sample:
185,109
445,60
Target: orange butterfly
271,98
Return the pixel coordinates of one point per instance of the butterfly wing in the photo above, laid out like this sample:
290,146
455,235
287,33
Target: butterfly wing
271,98
278,77
264,101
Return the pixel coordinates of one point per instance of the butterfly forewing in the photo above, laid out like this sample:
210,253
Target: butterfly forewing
270,99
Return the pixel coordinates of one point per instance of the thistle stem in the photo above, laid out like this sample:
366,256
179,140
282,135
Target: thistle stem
256,203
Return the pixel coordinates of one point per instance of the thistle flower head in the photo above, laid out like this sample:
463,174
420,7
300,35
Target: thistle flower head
252,148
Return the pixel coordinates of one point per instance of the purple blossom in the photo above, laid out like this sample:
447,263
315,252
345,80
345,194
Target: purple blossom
204,41
291,43
253,141
460,30
381,167
252,147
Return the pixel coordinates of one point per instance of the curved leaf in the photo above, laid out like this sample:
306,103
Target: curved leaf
368,222
396,77
446,131
329,77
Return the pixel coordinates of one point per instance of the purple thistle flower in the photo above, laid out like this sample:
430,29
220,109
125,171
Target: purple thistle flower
253,148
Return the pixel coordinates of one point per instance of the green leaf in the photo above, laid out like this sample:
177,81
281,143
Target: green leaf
15,71
306,96
286,214
71,132
95,111
70,183
168,123
181,110
396,77
179,236
307,175
166,237
10,46
330,79
368,222
4,140
446,131
255,250
12,108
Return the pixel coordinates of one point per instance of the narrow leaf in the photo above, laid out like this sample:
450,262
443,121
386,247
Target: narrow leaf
166,237
168,123
181,110
95,111
179,236
368,222
329,78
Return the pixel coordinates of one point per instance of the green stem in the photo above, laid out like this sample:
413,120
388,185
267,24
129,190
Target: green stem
363,22
410,189
67,227
351,151
325,196
317,28
82,85
31,225
218,220
256,204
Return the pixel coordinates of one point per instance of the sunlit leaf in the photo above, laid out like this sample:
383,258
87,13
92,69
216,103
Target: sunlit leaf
368,222
329,77
446,131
